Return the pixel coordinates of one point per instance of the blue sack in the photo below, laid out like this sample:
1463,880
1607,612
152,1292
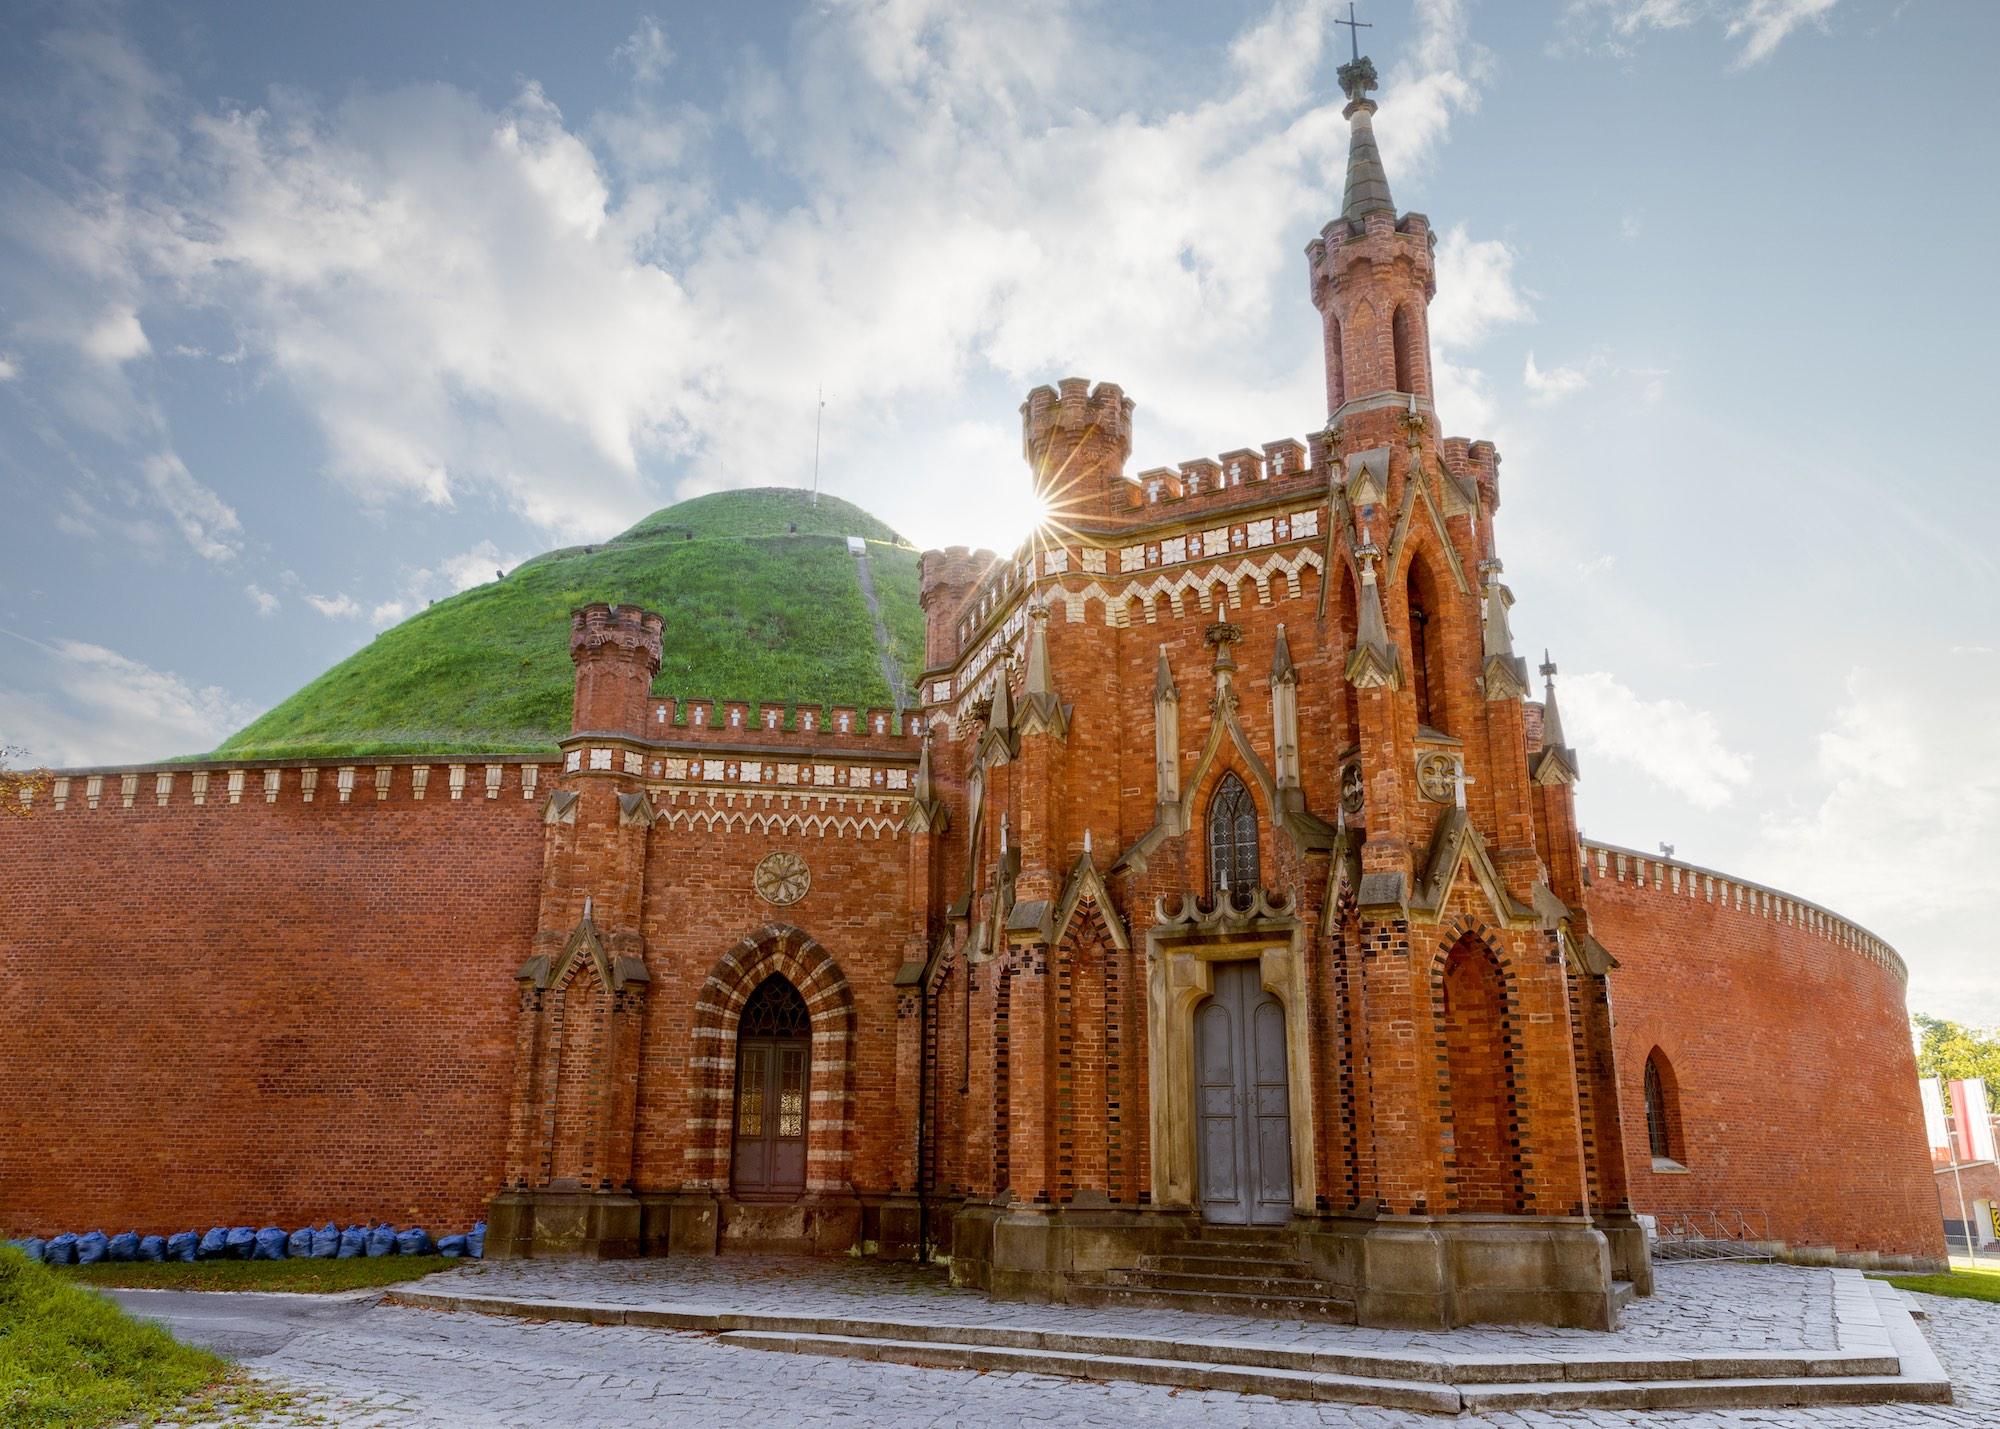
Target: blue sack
61,1250
414,1242
214,1244
382,1241
299,1244
475,1241
241,1243
183,1246
32,1247
452,1247
325,1243
124,1246
152,1248
92,1247
269,1244
353,1243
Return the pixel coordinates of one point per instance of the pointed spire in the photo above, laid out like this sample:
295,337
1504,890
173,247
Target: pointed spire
922,787
1367,183
1001,720
1164,687
1040,681
1373,659
1041,707
1283,671
927,813
1556,763
1499,639
1552,725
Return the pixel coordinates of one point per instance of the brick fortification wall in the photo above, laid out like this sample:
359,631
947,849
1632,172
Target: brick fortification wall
260,1011
1790,1079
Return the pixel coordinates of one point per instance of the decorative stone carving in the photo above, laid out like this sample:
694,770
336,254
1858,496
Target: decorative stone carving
1437,777
1353,793
782,878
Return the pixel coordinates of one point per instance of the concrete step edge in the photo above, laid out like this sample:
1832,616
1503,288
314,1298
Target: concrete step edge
1185,1374
1436,1369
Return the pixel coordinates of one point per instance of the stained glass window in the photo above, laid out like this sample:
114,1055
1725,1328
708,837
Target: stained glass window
1232,840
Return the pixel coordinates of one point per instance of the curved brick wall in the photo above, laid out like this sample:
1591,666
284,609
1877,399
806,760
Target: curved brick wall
261,1012
1788,1040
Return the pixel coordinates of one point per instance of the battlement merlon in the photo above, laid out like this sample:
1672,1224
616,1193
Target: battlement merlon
617,650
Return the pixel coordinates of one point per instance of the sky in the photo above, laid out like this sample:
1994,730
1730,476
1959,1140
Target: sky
310,315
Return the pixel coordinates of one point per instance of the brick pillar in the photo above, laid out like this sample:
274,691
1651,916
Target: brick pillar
1030,1076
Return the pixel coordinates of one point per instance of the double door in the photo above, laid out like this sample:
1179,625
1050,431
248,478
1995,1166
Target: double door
1242,1101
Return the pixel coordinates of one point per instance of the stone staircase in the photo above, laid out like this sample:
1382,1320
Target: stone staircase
1225,1270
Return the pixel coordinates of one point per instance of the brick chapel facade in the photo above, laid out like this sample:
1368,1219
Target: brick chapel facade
1225,876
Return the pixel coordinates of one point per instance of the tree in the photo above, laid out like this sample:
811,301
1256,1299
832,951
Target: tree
21,785
1949,1050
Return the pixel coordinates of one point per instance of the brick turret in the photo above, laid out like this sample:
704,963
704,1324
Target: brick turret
1076,439
945,578
1373,276
617,652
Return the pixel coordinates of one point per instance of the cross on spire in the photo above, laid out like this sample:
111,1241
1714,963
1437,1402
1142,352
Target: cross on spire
1548,669
1354,29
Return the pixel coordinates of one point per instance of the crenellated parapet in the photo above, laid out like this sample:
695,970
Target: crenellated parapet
617,650
1670,878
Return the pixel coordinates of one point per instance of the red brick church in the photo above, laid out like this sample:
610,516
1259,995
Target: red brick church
1216,930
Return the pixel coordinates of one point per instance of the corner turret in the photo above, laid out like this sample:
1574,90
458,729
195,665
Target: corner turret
617,652
1077,439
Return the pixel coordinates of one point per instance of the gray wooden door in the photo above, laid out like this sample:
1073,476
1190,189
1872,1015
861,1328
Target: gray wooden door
1242,1102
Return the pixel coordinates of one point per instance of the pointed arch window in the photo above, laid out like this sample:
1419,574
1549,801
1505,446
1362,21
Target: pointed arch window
1425,637
1663,1113
1232,840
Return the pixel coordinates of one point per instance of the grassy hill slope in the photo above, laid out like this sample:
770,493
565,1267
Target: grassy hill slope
761,601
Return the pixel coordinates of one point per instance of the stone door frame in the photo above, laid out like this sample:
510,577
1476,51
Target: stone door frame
1180,973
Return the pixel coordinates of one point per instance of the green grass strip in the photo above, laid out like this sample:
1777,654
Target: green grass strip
305,1277
71,1358
1961,1284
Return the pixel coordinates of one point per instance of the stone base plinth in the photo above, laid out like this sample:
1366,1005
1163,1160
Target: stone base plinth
1408,1272
560,1221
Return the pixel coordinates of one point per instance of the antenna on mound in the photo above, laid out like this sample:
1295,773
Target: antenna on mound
818,417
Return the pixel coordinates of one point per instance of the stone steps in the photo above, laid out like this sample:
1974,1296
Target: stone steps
1886,1360
1226,1270
1265,1303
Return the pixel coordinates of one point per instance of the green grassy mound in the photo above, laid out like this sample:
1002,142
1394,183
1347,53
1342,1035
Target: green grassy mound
301,1277
68,1357
755,610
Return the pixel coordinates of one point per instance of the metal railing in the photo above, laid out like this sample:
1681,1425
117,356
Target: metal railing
1712,1235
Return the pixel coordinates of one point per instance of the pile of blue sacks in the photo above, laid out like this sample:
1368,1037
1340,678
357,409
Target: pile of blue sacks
327,1242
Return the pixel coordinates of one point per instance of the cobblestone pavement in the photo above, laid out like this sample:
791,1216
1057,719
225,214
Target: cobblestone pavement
1706,1307
391,1366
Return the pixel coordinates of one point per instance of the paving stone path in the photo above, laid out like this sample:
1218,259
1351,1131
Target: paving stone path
389,1365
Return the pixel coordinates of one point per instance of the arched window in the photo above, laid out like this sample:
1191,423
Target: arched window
1402,331
773,1082
1425,637
1663,1119
1232,840
1336,379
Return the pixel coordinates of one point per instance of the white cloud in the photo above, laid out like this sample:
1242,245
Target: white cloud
266,603
1762,25
207,521
466,298
9,368
1900,829
1476,290
645,51
388,612
1630,227
1547,388
1596,565
95,706
1614,27
335,607
1677,747
116,337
